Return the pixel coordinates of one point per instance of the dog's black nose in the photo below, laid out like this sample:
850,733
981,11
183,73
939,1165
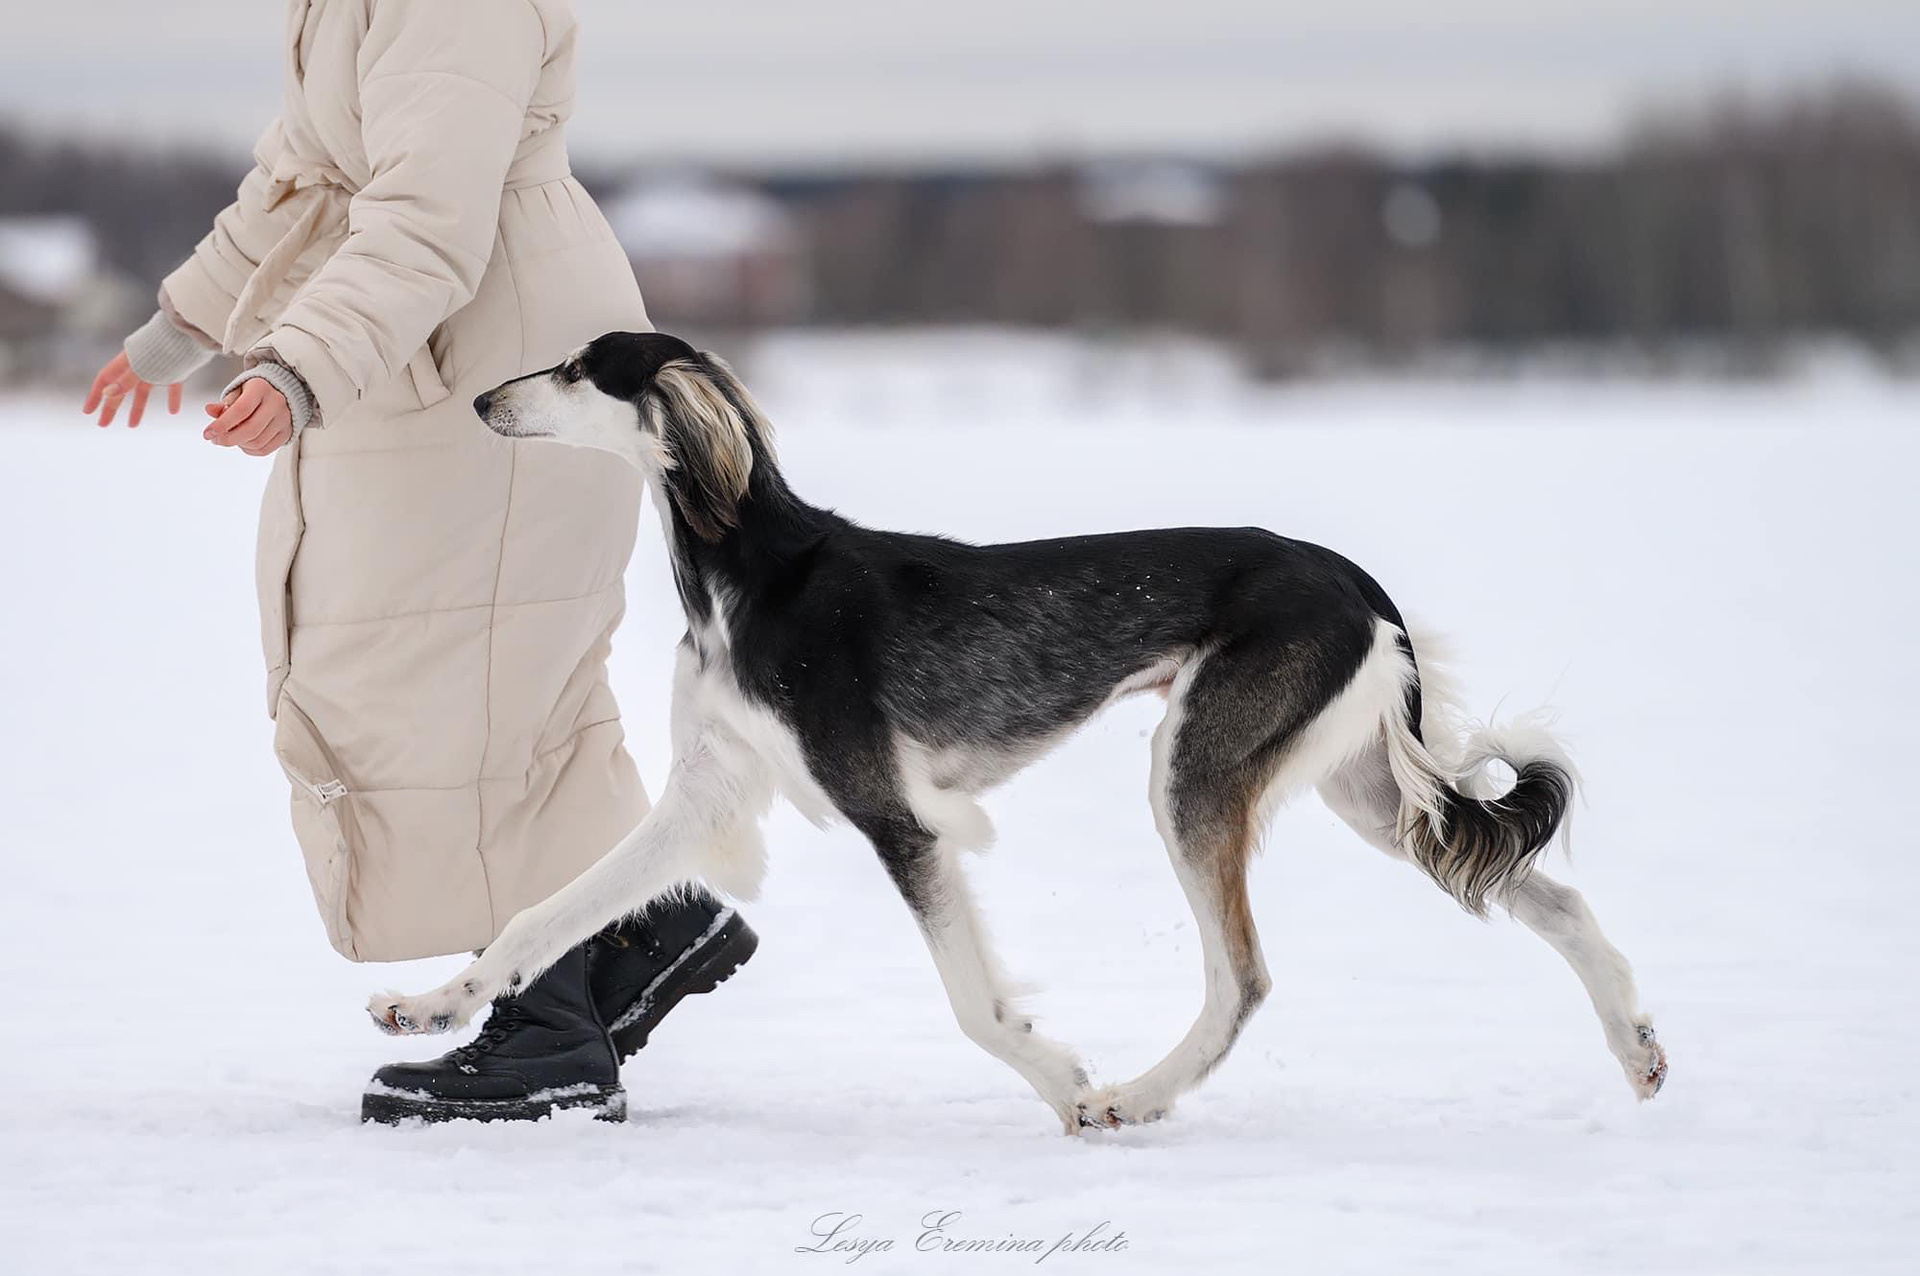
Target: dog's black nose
481,403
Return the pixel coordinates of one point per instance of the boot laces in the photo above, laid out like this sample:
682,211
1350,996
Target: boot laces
506,1018
622,934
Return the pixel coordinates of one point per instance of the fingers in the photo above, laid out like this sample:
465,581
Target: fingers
116,394
112,385
115,382
254,419
107,377
224,426
112,388
277,432
270,440
235,412
99,389
257,427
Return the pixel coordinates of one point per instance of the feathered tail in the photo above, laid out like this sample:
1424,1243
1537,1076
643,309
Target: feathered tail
1472,843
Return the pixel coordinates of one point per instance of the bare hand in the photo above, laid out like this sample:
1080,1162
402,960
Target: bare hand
115,382
255,418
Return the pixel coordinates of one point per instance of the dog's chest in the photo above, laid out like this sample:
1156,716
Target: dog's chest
719,701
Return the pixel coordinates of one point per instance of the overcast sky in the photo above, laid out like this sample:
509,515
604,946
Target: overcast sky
808,81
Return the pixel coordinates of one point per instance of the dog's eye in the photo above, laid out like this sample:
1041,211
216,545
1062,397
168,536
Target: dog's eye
569,372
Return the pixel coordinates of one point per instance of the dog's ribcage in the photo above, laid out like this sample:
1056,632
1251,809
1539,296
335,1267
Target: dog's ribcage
980,658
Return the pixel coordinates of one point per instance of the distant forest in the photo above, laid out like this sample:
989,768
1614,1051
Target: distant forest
1741,224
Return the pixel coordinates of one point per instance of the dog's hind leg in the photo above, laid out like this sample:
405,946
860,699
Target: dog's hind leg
714,795
1213,872
1206,801
1559,914
1364,795
926,868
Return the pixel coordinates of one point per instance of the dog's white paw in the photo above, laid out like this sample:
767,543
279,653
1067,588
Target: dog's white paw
1115,1106
1645,1061
442,1010
1061,1081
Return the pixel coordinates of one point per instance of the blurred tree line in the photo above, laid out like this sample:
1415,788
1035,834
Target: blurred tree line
1741,225
1737,225
147,208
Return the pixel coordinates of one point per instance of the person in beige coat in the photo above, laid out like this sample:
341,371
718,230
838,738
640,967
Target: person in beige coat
436,602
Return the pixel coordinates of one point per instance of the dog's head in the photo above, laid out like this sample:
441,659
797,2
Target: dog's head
654,401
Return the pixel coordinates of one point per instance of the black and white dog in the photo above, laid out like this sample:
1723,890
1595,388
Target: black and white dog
889,679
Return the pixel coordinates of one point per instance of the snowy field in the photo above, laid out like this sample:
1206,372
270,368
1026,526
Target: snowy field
1715,586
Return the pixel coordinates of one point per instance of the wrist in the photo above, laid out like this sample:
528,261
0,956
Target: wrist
162,353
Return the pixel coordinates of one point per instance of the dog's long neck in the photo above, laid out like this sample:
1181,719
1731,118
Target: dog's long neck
773,534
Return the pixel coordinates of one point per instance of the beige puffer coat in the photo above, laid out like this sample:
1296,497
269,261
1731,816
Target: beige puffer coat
436,602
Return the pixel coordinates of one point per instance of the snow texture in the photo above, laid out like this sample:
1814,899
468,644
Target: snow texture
1714,586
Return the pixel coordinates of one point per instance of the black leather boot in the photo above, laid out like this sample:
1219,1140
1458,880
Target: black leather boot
540,1051
642,967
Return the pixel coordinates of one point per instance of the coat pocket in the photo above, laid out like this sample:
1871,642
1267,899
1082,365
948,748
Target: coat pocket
428,383
324,820
282,524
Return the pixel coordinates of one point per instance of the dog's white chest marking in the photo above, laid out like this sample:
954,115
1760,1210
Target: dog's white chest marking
715,705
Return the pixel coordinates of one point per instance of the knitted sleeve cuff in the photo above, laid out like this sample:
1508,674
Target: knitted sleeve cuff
162,353
287,382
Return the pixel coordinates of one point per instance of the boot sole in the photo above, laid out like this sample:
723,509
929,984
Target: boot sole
703,967
387,1106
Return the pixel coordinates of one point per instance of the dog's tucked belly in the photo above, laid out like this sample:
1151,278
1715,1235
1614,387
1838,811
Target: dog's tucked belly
974,767
1157,677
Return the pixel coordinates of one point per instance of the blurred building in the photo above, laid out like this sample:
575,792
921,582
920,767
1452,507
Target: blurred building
711,254
1152,230
58,299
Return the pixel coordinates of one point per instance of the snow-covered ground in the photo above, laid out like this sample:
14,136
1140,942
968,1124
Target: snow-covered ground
1714,585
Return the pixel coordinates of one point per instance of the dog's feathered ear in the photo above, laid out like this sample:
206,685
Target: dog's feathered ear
707,424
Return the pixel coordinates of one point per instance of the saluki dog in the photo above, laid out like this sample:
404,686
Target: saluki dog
889,679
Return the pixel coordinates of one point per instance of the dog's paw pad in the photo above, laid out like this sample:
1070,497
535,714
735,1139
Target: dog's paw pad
410,1016
1098,1118
1647,1065
382,1010
1109,1110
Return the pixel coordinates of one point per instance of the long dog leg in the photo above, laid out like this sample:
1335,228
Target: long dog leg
1559,914
1205,813
712,789
977,990
920,850
1364,796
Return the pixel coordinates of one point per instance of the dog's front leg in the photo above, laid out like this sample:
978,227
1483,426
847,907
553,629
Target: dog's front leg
697,809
